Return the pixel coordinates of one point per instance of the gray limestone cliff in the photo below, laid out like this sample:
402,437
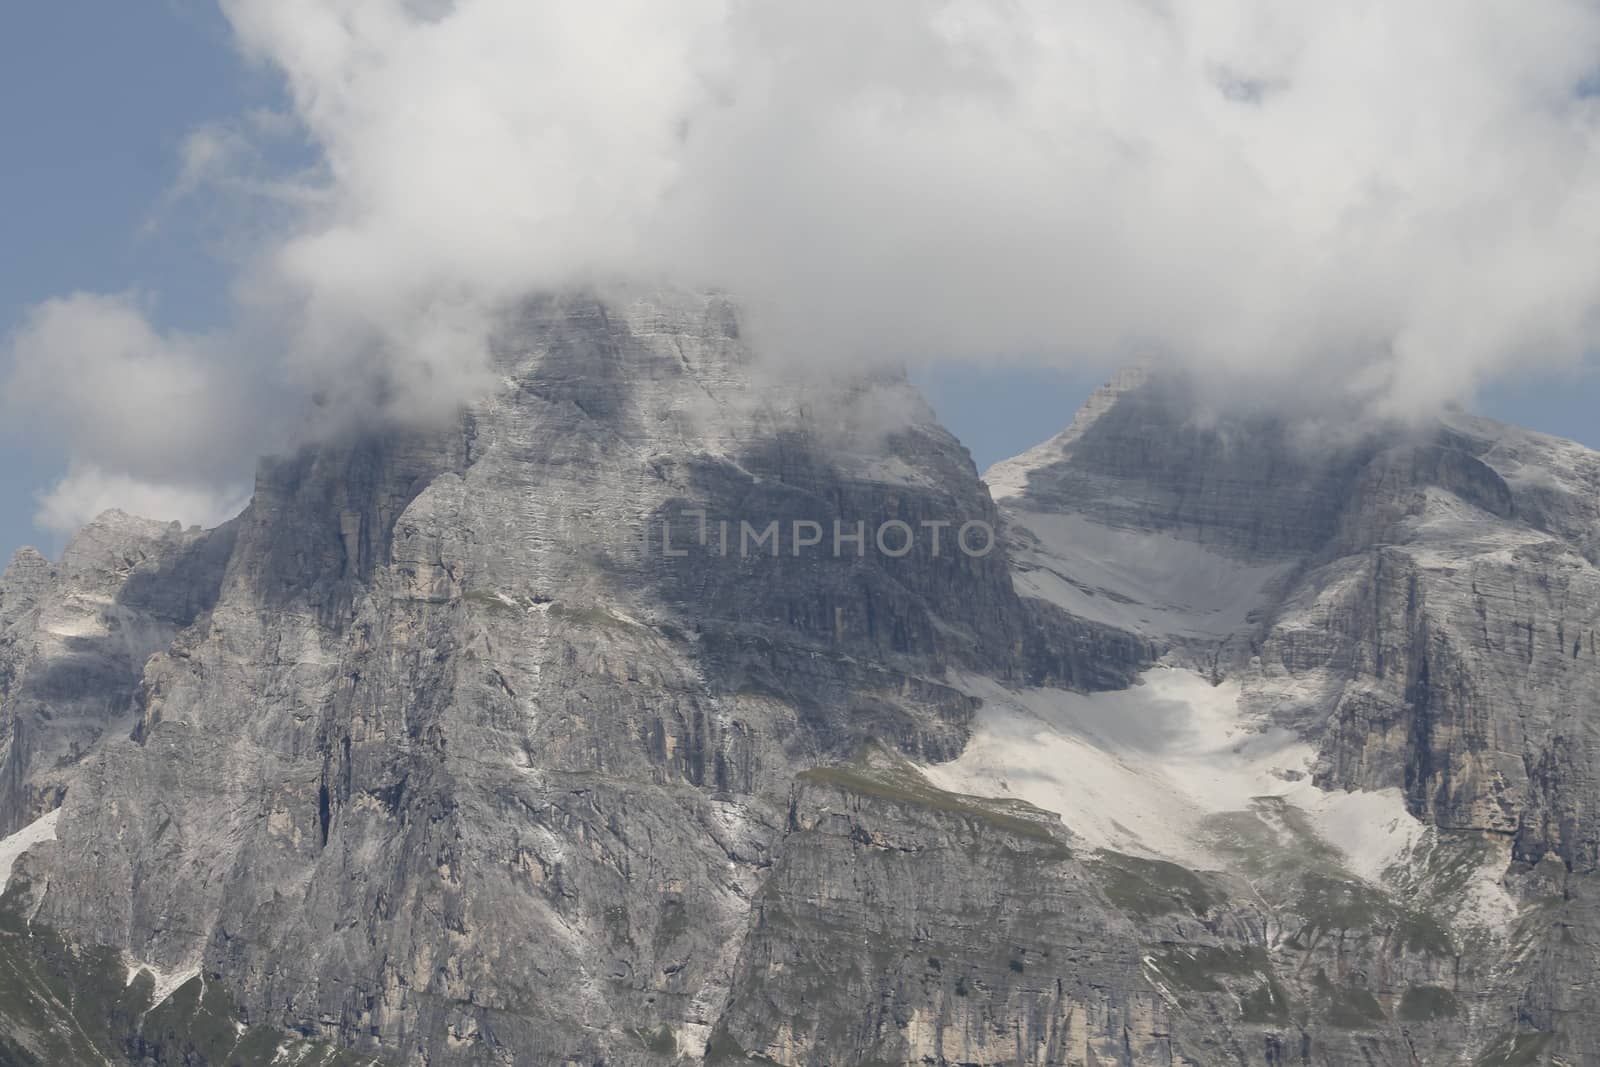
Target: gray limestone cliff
472,743
459,755
74,639
1417,603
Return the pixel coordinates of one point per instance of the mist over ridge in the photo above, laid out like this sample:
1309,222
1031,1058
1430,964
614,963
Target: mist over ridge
1379,205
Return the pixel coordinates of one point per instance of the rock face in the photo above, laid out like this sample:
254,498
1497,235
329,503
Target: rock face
583,729
1418,605
74,639
478,749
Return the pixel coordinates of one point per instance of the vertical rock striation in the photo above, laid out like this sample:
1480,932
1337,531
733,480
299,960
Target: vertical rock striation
471,743
466,761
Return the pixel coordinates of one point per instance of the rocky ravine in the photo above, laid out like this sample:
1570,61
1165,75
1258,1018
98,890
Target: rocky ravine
1237,750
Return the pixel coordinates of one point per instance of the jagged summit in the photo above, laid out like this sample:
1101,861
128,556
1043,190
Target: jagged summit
500,683
27,558
27,572
1150,438
1009,477
1403,619
475,743
1172,521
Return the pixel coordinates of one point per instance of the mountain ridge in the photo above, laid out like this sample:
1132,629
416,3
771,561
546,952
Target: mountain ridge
443,757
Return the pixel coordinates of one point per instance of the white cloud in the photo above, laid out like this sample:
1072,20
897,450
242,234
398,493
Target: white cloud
87,491
91,373
1398,196
1391,200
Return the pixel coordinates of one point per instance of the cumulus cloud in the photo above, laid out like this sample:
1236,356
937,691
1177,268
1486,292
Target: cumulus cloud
90,373
87,491
163,424
1387,200
1399,198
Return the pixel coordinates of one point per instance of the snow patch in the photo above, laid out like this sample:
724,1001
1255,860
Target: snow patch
1150,583
1142,770
167,982
78,615
886,470
1373,829
41,829
1135,770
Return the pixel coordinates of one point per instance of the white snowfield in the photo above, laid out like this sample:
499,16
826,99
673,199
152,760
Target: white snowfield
1162,769
1145,582
41,829
1143,771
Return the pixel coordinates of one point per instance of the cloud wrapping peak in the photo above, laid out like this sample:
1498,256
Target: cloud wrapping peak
1396,197
1391,201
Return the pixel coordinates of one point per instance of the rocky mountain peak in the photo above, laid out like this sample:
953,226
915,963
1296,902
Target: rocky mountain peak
1009,477
23,579
567,730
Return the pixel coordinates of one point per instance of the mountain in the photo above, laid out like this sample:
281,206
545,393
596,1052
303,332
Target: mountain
664,707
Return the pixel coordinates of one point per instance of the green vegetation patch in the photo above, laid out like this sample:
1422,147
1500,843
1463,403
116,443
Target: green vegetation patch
597,618
1329,903
1514,1050
660,1040
724,1048
1426,1003
63,1005
884,775
1421,932
1149,888
1338,903
1437,874
1268,1004
1199,967
1293,868
1349,1007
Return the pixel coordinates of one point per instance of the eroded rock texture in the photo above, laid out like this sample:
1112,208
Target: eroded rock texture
1424,604
470,744
455,762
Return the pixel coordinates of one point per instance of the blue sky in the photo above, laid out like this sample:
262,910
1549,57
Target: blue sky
96,99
